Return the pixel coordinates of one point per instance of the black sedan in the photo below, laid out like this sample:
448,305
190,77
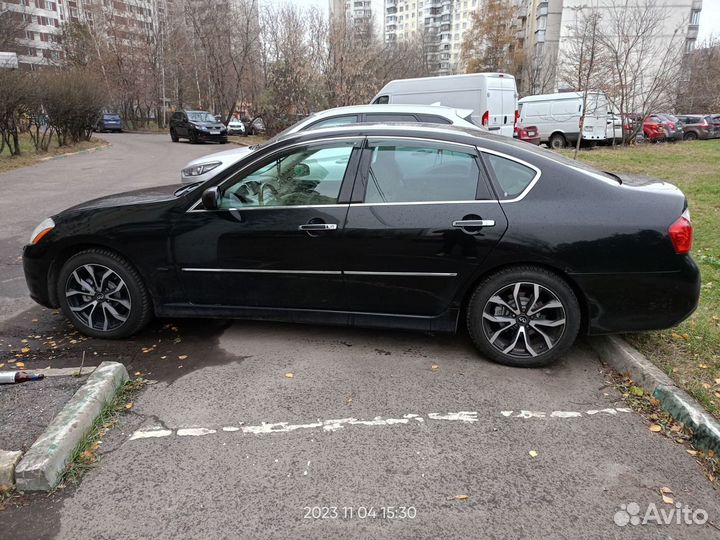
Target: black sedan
397,226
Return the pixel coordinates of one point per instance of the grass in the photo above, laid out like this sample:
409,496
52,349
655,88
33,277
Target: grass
247,141
84,456
28,156
690,353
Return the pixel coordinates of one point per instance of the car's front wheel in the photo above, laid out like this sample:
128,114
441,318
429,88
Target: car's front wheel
173,136
103,295
524,316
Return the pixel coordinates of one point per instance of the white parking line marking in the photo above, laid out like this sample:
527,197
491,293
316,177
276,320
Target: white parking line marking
465,417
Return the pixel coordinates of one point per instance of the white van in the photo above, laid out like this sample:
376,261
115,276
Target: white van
558,116
491,96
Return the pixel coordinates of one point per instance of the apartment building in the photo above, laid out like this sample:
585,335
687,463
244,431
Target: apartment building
44,19
360,12
547,29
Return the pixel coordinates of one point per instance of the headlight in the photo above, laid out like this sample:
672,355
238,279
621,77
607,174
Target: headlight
200,168
41,230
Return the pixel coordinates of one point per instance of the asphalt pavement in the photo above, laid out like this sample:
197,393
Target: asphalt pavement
265,430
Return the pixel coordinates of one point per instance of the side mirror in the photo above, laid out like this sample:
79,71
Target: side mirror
211,198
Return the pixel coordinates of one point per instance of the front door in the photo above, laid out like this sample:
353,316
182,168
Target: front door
275,241
426,222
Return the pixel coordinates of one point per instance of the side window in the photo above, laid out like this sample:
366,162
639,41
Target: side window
389,117
409,173
382,100
305,176
512,177
433,119
336,121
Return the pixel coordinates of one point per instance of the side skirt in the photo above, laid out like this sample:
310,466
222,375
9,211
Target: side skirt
446,322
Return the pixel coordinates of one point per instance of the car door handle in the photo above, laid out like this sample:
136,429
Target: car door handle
462,223
318,227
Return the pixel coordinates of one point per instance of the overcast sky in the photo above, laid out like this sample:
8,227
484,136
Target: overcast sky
709,17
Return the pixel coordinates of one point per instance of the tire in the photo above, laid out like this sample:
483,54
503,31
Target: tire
193,137
130,300
173,136
690,136
557,141
530,347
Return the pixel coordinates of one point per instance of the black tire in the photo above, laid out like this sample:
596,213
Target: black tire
137,315
173,136
557,141
551,288
193,137
690,136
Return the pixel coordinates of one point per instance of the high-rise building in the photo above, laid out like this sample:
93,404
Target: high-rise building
360,12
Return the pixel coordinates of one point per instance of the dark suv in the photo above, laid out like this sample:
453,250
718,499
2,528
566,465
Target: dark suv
197,126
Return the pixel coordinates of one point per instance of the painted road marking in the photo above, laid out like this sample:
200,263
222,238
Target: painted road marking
465,417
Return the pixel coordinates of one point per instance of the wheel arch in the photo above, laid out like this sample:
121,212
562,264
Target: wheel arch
579,294
62,256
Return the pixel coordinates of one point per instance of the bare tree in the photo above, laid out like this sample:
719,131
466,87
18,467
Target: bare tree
699,88
491,43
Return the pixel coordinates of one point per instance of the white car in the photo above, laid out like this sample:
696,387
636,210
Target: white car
235,127
204,168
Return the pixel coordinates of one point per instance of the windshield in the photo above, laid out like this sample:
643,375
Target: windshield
201,117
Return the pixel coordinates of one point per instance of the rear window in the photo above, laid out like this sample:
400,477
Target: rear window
111,117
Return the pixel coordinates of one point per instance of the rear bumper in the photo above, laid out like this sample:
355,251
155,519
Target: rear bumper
37,270
640,301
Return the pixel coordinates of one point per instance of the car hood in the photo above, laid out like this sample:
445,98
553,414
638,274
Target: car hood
227,157
140,196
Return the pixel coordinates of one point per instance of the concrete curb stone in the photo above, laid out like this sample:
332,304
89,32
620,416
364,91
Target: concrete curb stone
621,356
43,463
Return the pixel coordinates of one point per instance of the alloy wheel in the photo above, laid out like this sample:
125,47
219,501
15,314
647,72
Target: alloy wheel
98,297
523,320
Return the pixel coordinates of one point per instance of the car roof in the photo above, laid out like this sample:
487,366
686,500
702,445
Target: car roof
439,110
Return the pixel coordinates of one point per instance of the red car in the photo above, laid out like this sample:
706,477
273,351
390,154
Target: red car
653,128
529,134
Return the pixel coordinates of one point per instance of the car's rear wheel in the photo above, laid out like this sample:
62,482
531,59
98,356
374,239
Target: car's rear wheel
690,136
103,295
557,141
523,316
173,136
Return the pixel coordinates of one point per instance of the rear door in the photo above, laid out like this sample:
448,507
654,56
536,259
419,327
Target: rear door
509,105
424,221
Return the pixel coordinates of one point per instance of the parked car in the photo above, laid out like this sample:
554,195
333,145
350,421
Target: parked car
697,126
491,96
653,128
203,168
393,226
196,126
236,127
715,118
674,128
109,122
559,117
256,126
529,134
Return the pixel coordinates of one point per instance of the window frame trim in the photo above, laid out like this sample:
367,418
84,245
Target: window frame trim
493,178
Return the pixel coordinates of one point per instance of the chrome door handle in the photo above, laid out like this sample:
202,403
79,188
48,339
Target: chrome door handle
318,227
462,223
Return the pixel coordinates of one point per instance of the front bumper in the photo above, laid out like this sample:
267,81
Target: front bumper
37,266
209,137
237,131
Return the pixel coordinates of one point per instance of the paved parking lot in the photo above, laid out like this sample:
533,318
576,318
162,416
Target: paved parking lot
271,430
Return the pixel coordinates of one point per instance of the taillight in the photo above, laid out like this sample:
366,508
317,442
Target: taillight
581,122
517,117
681,233
486,118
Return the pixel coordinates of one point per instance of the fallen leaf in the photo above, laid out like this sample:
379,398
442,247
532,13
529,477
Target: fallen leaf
676,428
25,350
138,373
23,341
461,497
20,364
129,405
665,490
434,367
703,366
163,357
717,381
655,428
692,452
533,453
289,375
706,386
667,499
182,357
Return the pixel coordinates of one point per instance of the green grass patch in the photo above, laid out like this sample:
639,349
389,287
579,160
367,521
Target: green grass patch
690,353
84,456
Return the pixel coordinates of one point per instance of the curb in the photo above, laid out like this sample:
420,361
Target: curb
41,467
69,154
621,356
